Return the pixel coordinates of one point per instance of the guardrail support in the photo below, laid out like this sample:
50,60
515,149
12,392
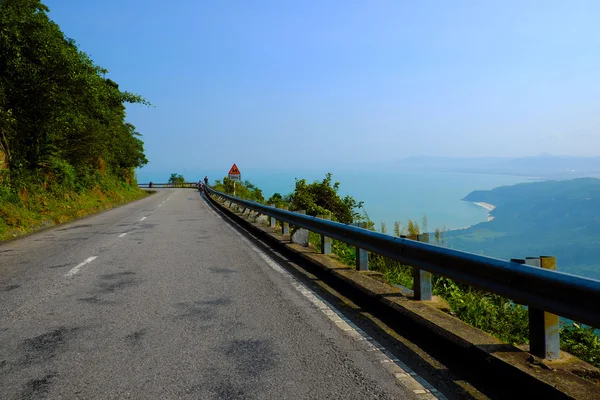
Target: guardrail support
300,235
422,279
325,241
285,228
544,339
362,255
273,220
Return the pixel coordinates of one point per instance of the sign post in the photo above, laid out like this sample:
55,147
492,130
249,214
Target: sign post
235,175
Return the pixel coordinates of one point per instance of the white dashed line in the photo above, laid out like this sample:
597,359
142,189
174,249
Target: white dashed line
122,234
143,219
78,267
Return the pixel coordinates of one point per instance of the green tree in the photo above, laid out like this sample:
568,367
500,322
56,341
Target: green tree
176,178
321,197
278,200
58,111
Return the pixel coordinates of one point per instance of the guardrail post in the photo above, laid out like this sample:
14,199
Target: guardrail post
325,241
362,255
422,279
300,235
273,220
285,228
544,340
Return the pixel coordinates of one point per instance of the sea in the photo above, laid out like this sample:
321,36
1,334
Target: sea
387,195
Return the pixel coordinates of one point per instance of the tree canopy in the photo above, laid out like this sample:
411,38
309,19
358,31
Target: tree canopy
176,178
321,197
61,118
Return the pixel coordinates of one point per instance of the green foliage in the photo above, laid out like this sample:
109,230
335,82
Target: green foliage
63,135
322,198
581,341
59,114
25,210
244,190
64,175
277,200
489,312
176,178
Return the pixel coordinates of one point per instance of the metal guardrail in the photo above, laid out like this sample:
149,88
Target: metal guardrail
187,185
563,294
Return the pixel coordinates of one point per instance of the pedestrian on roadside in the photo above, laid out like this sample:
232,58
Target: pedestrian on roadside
150,185
206,180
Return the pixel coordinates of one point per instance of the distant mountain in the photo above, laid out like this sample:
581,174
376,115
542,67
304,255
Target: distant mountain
542,166
558,218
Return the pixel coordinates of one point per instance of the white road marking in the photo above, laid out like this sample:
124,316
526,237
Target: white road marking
160,205
402,372
213,211
122,234
143,219
78,267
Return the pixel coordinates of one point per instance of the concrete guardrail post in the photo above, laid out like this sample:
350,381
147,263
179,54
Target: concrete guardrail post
422,279
285,228
362,255
544,340
300,235
273,220
325,241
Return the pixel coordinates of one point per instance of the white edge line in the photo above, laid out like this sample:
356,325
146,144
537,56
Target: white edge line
122,234
143,219
398,368
78,267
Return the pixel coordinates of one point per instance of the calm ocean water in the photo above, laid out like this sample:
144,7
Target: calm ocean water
388,196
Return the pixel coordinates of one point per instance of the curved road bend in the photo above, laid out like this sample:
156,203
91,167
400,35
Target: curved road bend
161,298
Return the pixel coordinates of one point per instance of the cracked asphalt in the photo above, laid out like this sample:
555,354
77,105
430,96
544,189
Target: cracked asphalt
175,305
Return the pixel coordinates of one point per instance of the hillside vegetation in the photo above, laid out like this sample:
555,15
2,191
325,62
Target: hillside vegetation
558,218
65,147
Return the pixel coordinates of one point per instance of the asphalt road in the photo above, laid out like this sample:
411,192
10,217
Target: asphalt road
175,304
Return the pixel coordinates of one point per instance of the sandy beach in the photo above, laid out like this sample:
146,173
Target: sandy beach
487,206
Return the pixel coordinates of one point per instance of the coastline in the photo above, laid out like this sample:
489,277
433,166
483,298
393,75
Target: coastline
489,207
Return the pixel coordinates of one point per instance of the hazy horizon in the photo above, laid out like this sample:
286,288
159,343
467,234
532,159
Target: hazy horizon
273,84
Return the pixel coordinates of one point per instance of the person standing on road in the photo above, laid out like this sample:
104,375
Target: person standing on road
206,180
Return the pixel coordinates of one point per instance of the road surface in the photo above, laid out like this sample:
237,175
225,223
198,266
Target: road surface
162,298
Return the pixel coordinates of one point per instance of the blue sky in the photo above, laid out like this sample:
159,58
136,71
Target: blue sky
275,84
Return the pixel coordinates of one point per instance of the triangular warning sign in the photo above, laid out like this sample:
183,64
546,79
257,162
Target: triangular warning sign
234,170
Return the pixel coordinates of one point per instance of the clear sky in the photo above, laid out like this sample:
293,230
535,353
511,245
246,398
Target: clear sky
284,82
